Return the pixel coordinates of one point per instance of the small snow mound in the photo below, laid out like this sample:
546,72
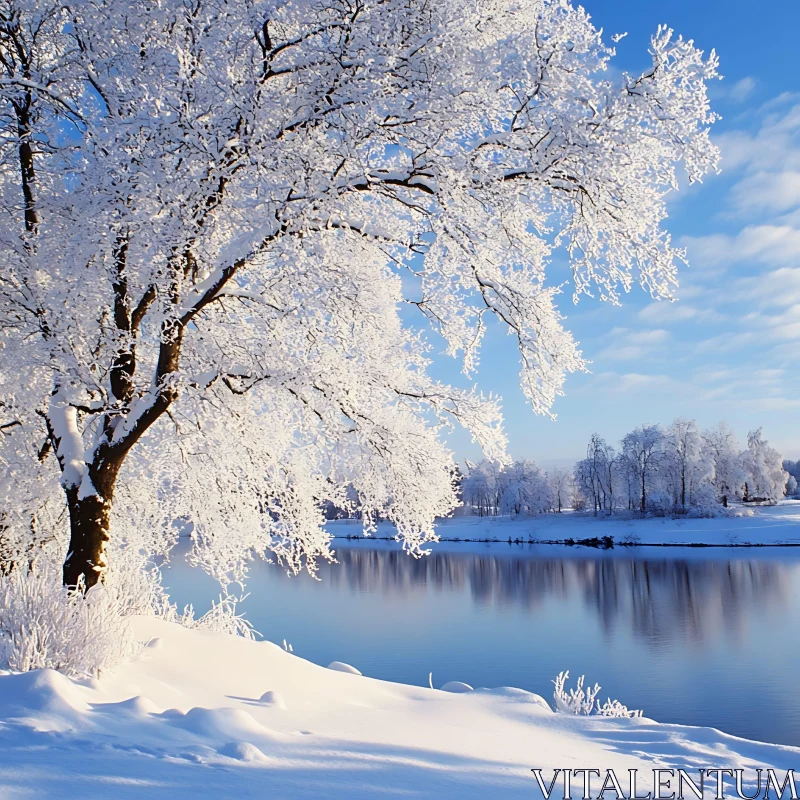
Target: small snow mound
340,666
521,695
457,687
45,690
273,698
216,723
243,751
137,706
155,644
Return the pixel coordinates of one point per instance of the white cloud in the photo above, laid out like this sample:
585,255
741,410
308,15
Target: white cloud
632,345
632,381
780,287
787,352
769,244
769,374
756,386
664,312
688,291
742,89
784,326
775,146
764,329
776,403
768,191
725,342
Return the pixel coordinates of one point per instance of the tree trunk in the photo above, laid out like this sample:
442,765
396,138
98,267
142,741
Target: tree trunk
644,498
89,522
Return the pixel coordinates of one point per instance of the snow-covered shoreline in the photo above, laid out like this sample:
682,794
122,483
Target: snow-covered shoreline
759,526
188,718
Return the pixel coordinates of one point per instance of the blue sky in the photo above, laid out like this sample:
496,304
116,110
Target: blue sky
730,347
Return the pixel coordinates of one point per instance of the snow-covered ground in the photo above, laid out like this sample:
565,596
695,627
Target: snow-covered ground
186,719
754,525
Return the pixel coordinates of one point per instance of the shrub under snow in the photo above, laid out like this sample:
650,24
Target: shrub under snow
43,625
221,618
583,701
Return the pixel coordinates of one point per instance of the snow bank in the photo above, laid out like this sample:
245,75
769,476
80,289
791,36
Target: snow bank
340,666
746,525
210,715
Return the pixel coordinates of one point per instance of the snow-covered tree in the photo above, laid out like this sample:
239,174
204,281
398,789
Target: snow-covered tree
208,211
480,487
523,488
765,478
643,453
562,488
686,465
727,472
598,475
490,488
793,469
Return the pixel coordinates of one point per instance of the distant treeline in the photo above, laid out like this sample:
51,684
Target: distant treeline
654,469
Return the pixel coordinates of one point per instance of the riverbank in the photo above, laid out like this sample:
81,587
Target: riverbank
208,715
750,526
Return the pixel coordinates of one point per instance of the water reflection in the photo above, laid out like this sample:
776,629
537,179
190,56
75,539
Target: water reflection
656,599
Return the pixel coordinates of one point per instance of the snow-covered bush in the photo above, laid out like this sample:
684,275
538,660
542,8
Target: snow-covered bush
44,625
704,502
135,584
577,700
583,701
659,503
613,708
221,618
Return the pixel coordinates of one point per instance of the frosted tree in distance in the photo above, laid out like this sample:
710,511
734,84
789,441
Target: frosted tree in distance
687,463
523,487
562,488
643,452
764,475
214,212
722,451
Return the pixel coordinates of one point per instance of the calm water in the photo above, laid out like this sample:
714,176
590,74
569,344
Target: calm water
697,637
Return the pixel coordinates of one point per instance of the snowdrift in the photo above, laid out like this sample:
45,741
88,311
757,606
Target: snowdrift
201,714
